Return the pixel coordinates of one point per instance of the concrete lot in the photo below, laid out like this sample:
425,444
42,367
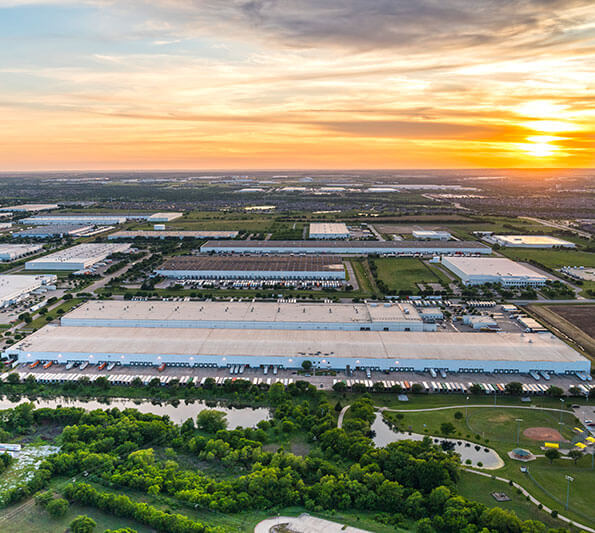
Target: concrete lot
323,382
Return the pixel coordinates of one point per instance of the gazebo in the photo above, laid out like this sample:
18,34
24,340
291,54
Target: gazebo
521,454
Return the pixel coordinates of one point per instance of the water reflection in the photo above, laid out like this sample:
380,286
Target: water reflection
178,411
467,450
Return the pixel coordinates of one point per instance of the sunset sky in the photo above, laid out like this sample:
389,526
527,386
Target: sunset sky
263,84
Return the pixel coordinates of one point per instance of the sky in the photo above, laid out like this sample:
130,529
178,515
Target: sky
290,84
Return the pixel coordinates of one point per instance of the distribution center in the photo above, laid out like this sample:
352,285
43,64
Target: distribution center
54,220
79,257
248,315
15,287
530,241
347,247
169,234
10,252
328,230
480,270
283,267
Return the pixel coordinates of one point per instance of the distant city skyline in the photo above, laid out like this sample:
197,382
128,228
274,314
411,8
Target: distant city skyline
291,84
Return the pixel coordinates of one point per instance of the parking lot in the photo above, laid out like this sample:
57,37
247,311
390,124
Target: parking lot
492,384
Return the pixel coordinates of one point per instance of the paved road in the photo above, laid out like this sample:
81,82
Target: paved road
103,281
341,416
559,226
305,524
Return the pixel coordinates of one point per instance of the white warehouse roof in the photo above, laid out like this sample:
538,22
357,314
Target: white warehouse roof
328,230
12,287
10,252
491,269
260,344
531,241
150,313
29,207
76,257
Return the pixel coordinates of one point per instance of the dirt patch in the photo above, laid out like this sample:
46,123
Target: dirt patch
500,419
579,315
544,434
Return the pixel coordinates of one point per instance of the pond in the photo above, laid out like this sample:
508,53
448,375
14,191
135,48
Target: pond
467,450
178,413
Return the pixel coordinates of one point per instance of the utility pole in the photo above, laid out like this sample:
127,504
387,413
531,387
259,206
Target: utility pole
561,413
568,479
466,405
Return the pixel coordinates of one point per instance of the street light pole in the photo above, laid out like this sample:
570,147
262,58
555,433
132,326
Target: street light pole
518,430
561,413
568,479
466,406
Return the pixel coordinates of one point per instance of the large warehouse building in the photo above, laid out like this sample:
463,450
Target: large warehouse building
11,252
29,208
321,267
431,235
15,287
530,241
165,234
480,270
383,350
347,247
248,315
78,220
328,230
44,232
78,257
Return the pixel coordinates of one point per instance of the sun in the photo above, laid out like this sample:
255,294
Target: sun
540,145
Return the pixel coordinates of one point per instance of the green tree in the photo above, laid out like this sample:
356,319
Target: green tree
446,428
555,392
211,420
458,415
552,454
514,388
575,455
307,365
57,508
340,386
82,524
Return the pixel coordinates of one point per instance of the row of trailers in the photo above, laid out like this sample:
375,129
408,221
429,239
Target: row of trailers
452,387
127,379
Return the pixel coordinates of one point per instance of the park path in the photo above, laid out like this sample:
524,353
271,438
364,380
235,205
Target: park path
532,499
341,416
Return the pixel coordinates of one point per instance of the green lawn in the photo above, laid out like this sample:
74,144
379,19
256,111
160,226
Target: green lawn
403,273
497,428
480,489
551,258
31,518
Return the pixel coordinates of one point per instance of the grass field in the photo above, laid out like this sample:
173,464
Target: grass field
579,315
480,489
403,273
553,259
497,428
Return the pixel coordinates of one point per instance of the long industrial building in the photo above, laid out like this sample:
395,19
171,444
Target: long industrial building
248,315
77,220
169,234
29,208
44,232
328,230
16,287
321,267
11,252
480,270
347,247
383,350
79,257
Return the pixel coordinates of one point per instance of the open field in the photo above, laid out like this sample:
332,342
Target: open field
551,258
569,323
581,316
30,518
403,273
497,428
480,488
